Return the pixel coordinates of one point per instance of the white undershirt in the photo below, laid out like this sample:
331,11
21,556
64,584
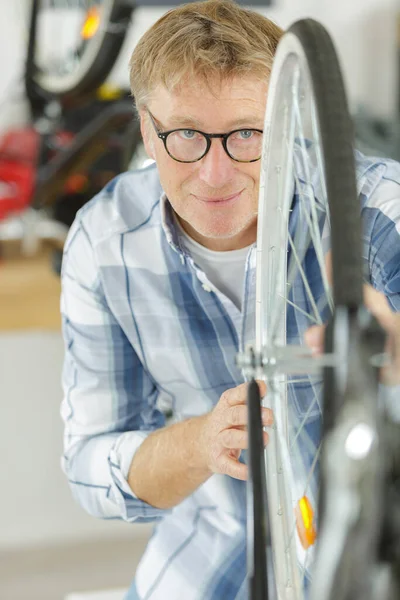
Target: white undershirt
225,270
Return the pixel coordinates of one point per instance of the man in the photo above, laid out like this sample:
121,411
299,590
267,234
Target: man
158,297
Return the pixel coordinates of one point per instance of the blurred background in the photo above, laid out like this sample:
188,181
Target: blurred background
66,128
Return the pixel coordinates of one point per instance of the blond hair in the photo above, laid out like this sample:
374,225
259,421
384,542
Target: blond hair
202,39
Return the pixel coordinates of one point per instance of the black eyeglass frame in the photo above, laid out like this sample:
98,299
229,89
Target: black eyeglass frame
163,135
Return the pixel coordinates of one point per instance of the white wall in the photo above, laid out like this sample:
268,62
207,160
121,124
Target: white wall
364,32
36,506
13,32
35,503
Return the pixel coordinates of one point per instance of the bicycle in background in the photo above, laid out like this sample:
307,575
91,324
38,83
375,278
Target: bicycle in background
83,132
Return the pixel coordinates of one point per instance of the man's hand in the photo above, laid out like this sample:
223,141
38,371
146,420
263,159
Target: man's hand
225,431
377,303
174,461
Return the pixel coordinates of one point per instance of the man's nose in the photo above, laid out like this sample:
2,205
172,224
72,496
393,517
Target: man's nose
216,168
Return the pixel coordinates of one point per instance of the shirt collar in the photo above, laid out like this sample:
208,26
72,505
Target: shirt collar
170,227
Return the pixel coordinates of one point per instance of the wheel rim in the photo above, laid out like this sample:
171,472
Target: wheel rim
69,35
290,237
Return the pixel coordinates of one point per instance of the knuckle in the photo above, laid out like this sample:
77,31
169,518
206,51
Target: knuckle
223,464
234,395
232,418
236,415
224,399
234,439
227,438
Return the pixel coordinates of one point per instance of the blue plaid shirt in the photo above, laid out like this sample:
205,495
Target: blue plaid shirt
145,331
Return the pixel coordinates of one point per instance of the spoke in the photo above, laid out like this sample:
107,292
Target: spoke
304,568
316,238
302,142
319,205
320,256
323,302
310,449
300,429
302,245
305,282
294,381
301,310
309,477
312,469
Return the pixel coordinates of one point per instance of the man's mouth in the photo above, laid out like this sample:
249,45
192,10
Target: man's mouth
220,200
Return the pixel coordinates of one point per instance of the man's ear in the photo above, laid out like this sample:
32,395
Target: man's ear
146,134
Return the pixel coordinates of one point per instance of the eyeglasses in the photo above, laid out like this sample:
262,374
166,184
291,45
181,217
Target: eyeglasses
191,145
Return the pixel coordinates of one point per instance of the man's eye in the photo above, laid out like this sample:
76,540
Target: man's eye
188,134
246,134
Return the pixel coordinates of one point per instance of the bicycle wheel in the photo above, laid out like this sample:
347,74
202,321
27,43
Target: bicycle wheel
74,44
308,268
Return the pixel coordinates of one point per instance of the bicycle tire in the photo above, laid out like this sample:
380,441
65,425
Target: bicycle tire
98,59
258,539
338,147
311,44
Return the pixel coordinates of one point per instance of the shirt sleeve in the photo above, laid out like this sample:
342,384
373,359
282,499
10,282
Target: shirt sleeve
382,235
382,249
109,404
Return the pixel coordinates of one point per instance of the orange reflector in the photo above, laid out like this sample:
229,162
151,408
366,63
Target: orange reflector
91,24
305,522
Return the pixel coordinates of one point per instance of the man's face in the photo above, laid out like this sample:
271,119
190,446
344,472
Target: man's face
216,197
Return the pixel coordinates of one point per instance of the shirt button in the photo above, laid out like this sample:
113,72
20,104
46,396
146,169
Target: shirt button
206,287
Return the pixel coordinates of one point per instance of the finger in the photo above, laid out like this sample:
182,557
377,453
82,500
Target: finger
267,417
235,439
238,439
233,468
262,386
314,338
237,416
378,304
390,373
375,301
328,266
238,395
